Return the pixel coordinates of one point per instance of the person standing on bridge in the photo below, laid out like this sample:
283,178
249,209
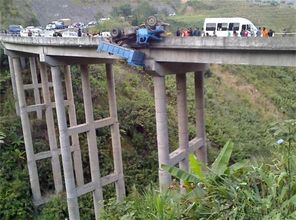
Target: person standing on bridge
185,33
258,33
79,32
264,32
270,33
30,33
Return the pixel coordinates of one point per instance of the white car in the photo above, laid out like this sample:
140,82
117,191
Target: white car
91,23
35,32
50,26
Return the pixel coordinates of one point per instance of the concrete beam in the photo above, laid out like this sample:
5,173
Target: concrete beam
164,68
248,57
227,43
248,51
58,50
59,60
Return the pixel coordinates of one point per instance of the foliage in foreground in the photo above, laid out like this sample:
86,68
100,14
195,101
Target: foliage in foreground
244,190
15,196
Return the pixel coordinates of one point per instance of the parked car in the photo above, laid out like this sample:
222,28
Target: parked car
50,26
59,24
15,29
32,31
91,23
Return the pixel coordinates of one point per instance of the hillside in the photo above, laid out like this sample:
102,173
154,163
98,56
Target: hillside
82,11
275,17
16,12
191,13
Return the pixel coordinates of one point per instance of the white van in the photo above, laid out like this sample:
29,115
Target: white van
225,27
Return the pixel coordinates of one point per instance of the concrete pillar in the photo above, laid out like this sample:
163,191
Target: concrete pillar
35,85
92,141
12,75
182,119
162,130
55,161
71,192
115,134
32,167
202,154
23,62
73,122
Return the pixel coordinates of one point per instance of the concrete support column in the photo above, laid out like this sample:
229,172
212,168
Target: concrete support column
162,130
23,62
202,153
115,134
55,161
71,192
13,83
92,141
35,85
73,122
182,119
32,167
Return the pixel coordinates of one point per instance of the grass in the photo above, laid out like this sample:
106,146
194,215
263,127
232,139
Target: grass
274,17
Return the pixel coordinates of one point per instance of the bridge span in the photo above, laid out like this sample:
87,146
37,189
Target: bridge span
52,58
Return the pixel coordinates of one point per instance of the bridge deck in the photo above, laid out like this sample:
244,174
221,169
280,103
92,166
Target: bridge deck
279,51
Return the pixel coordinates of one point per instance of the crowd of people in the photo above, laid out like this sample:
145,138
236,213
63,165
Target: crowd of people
264,32
186,32
261,32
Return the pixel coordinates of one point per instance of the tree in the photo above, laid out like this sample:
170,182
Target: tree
143,11
123,10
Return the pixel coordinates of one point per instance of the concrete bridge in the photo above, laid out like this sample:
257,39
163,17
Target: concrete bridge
54,56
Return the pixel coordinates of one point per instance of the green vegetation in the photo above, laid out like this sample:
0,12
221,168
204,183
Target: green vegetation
275,17
16,12
244,190
15,196
250,178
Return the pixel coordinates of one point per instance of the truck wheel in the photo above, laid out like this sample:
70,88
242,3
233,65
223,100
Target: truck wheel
151,21
116,32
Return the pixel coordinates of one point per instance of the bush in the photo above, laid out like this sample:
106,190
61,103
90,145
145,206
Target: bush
15,195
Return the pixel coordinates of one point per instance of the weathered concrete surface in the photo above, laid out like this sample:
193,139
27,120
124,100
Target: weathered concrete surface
67,50
248,51
225,43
